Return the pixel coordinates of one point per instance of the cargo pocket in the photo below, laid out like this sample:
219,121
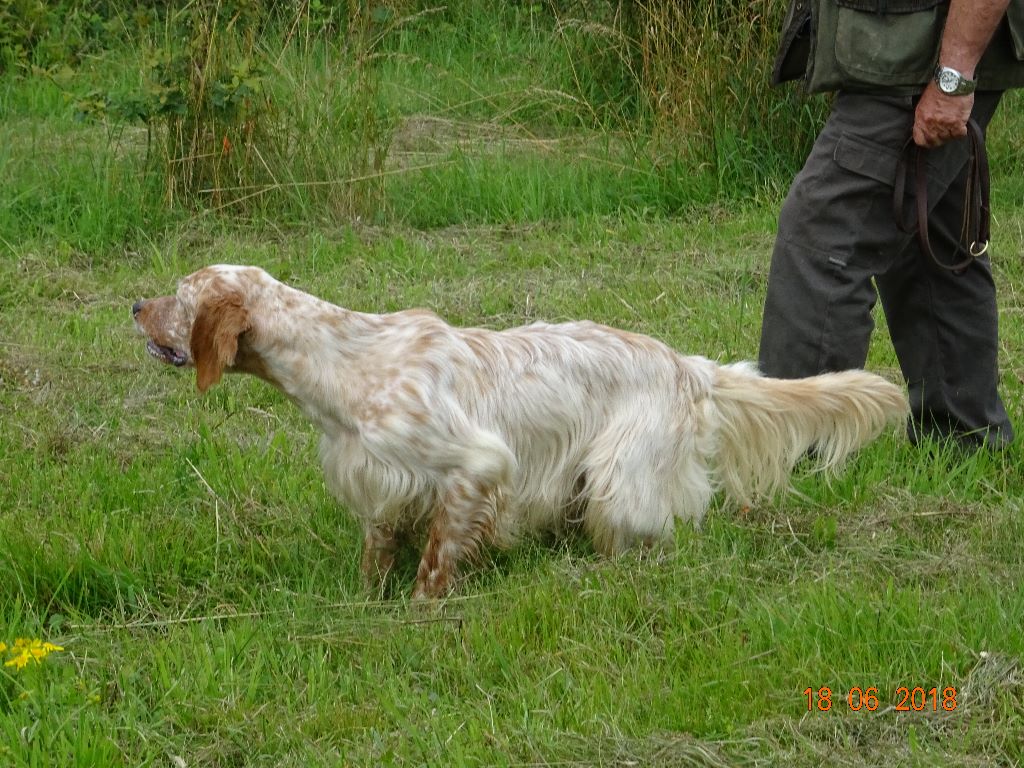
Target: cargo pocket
866,223
888,42
866,158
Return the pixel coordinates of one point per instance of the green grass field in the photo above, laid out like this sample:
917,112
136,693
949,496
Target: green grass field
184,553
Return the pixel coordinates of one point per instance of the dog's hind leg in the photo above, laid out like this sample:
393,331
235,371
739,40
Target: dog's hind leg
463,520
620,517
638,480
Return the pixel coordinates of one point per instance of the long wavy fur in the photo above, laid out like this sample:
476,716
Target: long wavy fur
470,436
766,425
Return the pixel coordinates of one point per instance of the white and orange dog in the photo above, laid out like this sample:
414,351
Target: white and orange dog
478,436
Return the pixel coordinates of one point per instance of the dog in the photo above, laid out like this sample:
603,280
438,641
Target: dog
475,436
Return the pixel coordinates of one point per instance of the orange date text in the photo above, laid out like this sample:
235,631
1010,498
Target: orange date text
906,699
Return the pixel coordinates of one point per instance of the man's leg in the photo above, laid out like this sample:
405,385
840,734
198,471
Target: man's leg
836,230
944,326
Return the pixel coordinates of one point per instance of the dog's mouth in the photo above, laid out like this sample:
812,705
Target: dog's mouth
168,355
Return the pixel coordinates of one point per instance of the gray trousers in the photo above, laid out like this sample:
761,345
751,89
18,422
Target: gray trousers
837,231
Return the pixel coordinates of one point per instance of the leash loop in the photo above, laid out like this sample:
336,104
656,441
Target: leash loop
977,213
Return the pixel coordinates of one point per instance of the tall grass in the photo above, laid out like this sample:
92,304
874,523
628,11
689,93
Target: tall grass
257,115
705,72
287,113
428,115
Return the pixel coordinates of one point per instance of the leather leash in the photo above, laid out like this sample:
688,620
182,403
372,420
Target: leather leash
976,215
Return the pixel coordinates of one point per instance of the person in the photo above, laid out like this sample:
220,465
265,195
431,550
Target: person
838,232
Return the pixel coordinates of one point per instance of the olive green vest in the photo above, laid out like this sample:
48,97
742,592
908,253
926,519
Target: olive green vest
889,45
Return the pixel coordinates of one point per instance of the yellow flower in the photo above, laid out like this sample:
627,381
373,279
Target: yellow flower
19,661
26,650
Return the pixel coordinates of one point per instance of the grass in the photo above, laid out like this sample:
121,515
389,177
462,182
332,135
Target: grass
186,554
184,551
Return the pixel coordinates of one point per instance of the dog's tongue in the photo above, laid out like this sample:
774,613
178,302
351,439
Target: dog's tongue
166,354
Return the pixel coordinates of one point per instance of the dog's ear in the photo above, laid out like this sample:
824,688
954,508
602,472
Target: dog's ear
220,320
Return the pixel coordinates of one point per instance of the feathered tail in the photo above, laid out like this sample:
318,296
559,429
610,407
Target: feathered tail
767,425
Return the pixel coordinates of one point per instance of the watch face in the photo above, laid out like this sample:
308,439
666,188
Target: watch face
949,81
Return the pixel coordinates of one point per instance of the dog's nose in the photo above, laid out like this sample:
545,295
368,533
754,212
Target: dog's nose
137,307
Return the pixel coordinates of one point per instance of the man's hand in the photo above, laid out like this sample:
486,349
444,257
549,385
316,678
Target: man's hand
940,118
969,27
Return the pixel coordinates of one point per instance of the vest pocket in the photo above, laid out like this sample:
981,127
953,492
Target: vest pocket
888,42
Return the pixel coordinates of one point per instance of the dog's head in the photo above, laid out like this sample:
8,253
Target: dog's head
202,324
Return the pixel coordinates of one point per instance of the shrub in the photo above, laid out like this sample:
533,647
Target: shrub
237,117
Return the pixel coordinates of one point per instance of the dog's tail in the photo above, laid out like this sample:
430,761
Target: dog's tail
767,425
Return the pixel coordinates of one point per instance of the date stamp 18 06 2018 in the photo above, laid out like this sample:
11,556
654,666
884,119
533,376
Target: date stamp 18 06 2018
907,699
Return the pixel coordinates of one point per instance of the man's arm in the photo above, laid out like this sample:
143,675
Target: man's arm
969,29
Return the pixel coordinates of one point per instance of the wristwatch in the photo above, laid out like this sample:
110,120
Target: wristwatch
952,83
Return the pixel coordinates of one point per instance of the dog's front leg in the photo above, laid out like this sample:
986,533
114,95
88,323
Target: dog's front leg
463,520
379,546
